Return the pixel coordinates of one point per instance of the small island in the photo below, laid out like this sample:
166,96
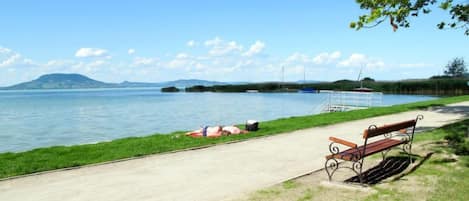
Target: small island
170,89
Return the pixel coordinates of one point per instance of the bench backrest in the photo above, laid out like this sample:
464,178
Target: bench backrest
374,131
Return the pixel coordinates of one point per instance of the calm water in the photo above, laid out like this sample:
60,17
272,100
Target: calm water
40,118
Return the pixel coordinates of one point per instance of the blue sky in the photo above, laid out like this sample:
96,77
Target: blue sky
156,41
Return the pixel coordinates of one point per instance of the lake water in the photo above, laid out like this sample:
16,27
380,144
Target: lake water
41,118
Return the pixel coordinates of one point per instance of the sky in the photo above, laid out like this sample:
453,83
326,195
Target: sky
154,41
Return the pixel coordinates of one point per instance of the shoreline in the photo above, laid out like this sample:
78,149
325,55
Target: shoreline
60,157
200,172
71,117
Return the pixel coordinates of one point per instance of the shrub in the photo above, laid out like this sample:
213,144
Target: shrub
457,139
462,148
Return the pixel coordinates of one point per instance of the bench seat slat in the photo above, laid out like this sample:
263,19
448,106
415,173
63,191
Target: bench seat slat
371,148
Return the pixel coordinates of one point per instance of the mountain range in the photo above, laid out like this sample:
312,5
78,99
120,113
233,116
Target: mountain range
78,81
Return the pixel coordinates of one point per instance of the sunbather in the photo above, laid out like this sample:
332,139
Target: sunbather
215,131
206,131
233,130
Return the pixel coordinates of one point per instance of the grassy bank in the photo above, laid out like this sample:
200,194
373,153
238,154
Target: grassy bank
44,159
439,174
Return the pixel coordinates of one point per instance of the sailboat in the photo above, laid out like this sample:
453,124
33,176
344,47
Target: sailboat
361,88
307,89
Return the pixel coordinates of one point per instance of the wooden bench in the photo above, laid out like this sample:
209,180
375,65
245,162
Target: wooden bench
392,135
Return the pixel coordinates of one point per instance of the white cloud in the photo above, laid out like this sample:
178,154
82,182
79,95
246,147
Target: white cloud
131,51
28,61
220,47
191,43
90,52
183,60
298,58
354,60
361,60
178,63
97,63
375,64
5,50
213,42
9,58
255,48
303,59
54,63
138,61
326,58
182,56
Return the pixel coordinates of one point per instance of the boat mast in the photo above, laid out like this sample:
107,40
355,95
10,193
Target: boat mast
359,75
283,74
281,78
304,74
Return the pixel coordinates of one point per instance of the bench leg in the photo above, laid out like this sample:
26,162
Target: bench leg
384,153
357,167
407,148
331,166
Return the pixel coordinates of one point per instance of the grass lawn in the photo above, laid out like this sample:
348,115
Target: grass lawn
442,176
43,159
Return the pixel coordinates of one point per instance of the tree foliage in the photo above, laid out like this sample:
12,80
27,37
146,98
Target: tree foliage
398,13
441,86
368,79
456,68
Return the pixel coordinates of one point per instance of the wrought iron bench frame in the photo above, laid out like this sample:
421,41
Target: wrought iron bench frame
356,154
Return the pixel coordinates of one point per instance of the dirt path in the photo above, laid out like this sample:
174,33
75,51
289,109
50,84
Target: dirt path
215,173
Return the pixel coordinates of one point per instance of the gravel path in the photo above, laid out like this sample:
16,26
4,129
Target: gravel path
215,173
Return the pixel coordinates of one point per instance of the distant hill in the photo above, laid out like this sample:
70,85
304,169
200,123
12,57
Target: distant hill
77,81
61,81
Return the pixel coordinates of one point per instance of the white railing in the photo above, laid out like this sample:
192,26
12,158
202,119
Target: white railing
339,101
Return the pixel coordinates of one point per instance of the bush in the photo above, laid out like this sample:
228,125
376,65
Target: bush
457,139
462,148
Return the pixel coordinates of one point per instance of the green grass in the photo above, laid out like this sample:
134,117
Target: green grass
441,133
43,159
442,177
290,184
452,174
308,195
454,184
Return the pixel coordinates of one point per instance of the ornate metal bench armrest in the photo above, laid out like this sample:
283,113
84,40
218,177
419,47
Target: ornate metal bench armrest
343,142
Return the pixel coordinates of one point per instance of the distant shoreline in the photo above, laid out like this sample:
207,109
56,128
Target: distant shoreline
448,86
91,88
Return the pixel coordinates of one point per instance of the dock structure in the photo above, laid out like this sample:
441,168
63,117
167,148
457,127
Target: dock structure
341,101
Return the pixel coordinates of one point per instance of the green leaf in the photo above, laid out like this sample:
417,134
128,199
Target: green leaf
441,25
445,5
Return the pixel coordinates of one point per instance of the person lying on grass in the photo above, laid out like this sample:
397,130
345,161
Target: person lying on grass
216,131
